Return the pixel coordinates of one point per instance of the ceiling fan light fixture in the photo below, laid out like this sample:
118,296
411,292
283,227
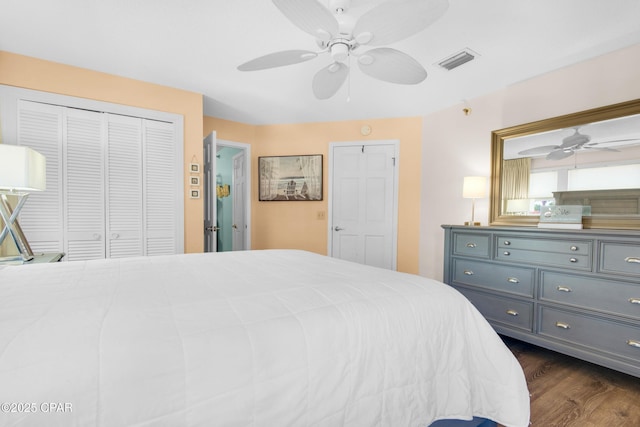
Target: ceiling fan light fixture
334,67
339,51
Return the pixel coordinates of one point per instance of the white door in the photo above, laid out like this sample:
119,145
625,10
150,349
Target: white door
84,210
238,193
40,127
364,202
125,226
209,190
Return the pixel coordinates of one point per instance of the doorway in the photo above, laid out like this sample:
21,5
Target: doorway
227,225
363,202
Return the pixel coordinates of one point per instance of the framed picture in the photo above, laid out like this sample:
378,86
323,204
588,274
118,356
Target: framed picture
290,178
195,180
194,193
194,167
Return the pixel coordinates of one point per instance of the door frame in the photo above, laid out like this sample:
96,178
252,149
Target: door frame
246,148
396,179
242,153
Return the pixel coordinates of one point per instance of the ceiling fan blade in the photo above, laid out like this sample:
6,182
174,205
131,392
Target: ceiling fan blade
327,81
396,20
559,154
310,16
601,149
545,149
612,141
277,59
391,65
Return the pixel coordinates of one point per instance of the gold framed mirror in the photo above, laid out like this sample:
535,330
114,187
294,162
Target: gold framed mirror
589,158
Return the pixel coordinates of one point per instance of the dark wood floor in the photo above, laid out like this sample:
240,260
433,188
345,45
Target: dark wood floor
568,392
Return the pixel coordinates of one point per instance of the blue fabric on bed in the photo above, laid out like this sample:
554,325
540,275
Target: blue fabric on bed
475,422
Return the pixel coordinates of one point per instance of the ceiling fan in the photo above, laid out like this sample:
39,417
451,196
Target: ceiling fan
341,36
569,146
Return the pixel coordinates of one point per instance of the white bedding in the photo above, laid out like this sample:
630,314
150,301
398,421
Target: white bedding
257,338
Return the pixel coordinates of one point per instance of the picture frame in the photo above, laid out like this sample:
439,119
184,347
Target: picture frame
194,193
290,178
194,180
194,167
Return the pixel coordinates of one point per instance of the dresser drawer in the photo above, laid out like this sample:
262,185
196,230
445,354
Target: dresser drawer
620,258
552,259
506,311
617,339
593,293
513,280
470,244
561,246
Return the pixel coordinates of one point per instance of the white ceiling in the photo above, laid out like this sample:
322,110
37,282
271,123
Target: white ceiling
196,45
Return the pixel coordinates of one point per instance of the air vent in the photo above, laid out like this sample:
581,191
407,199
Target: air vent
457,60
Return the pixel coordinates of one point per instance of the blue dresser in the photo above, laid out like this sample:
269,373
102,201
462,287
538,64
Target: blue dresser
572,291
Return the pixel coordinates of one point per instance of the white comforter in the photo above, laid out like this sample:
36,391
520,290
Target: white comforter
258,338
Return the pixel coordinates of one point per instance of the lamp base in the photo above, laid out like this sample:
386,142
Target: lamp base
11,227
472,223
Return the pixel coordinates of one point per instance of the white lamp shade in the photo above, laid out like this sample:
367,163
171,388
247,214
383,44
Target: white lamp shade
474,187
22,169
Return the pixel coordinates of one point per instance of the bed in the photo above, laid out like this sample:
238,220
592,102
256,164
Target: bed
255,338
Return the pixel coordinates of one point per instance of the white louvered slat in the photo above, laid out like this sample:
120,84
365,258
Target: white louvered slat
159,187
84,190
124,187
40,128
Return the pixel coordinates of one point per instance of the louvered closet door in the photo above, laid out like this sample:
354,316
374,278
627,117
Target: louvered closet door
159,167
124,187
84,207
40,127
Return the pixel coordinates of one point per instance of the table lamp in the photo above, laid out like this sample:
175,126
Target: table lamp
22,171
474,187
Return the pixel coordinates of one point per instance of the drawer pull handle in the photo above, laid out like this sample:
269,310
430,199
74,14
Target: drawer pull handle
471,245
633,343
632,259
563,325
634,300
512,312
507,253
563,289
574,260
468,272
574,248
507,243
513,280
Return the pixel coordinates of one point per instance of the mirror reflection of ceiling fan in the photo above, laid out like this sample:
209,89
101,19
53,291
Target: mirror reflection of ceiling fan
341,36
569,146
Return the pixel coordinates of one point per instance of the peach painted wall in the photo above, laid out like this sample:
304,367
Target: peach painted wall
296,225
455,145
31,73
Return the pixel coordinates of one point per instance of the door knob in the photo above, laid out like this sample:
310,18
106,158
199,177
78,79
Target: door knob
338,228
235,227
